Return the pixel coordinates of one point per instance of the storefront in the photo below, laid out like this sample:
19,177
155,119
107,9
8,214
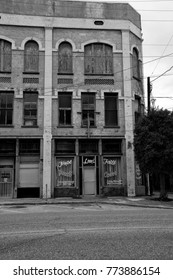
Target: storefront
88,167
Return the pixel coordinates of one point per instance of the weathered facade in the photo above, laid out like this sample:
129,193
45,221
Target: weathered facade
70,92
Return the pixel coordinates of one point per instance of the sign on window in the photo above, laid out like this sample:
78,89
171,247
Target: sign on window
64,172
111,171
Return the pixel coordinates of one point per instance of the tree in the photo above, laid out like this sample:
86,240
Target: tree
153,145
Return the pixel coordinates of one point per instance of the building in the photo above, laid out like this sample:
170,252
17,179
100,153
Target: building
70,92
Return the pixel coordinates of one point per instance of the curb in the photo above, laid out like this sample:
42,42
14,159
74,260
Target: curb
85,202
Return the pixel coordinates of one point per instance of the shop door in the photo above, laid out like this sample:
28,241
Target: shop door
6,182
89,175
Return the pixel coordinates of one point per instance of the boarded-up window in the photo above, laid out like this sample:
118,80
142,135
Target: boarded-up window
31,57
98,59
65,58
5,56
6,108
111,112
135,64
30,109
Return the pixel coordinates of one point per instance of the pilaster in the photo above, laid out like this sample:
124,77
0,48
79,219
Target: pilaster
47,135
130,164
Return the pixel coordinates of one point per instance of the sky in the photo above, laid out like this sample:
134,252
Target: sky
157,30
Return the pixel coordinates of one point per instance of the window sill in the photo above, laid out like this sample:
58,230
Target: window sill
29,126
5,72
100,75
31,73
88,127
65,126
116,126
6,125
65,74
137,79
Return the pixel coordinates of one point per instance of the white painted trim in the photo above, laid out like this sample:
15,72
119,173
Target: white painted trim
103,91
9,40
65,40
34,39
98,41
78,23
137,48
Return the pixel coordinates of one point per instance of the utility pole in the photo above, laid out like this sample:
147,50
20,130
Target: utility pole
149,107
148,93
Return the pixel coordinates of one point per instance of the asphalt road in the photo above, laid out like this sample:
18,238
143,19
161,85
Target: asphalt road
85,232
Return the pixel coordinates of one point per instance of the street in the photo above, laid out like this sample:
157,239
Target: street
82,232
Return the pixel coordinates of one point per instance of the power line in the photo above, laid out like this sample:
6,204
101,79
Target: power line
162,53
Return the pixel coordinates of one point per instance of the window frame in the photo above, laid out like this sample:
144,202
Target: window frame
30,117
64,109
6,108
65,55
135,64
4,67
101,64
90,111
68,183
108,172
115,96
30,55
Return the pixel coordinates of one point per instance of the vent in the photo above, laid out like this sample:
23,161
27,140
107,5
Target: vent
6,80
98,22
65,81
31,80
99,82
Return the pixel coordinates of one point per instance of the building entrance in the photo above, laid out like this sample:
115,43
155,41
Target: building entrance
89,175
6,181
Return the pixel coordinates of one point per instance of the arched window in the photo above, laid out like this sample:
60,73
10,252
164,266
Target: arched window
135,64
31,57
5,56
98,59
65,58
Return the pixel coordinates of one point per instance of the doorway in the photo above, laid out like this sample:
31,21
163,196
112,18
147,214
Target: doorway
89,175
6,181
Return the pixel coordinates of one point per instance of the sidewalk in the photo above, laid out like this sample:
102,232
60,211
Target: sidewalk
144,201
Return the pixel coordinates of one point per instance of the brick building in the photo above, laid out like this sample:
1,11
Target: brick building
70,92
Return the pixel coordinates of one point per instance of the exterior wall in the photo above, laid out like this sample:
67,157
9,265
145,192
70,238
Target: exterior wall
49,25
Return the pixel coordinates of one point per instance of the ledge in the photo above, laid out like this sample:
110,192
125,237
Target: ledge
65,126
29,126
6,126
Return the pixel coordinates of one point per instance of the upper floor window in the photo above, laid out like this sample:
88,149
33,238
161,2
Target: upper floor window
6,108
31,57
135,64
30,108
5,56
65,108
65,58
88,109
111,112
98,59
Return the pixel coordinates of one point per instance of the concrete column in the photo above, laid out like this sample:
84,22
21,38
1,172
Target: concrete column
47,135
130,164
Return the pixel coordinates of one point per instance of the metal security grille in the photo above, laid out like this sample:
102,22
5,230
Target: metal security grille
99,82
65,81
31,80
6,80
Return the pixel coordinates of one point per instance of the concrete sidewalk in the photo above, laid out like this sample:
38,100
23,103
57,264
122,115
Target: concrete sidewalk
144,201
